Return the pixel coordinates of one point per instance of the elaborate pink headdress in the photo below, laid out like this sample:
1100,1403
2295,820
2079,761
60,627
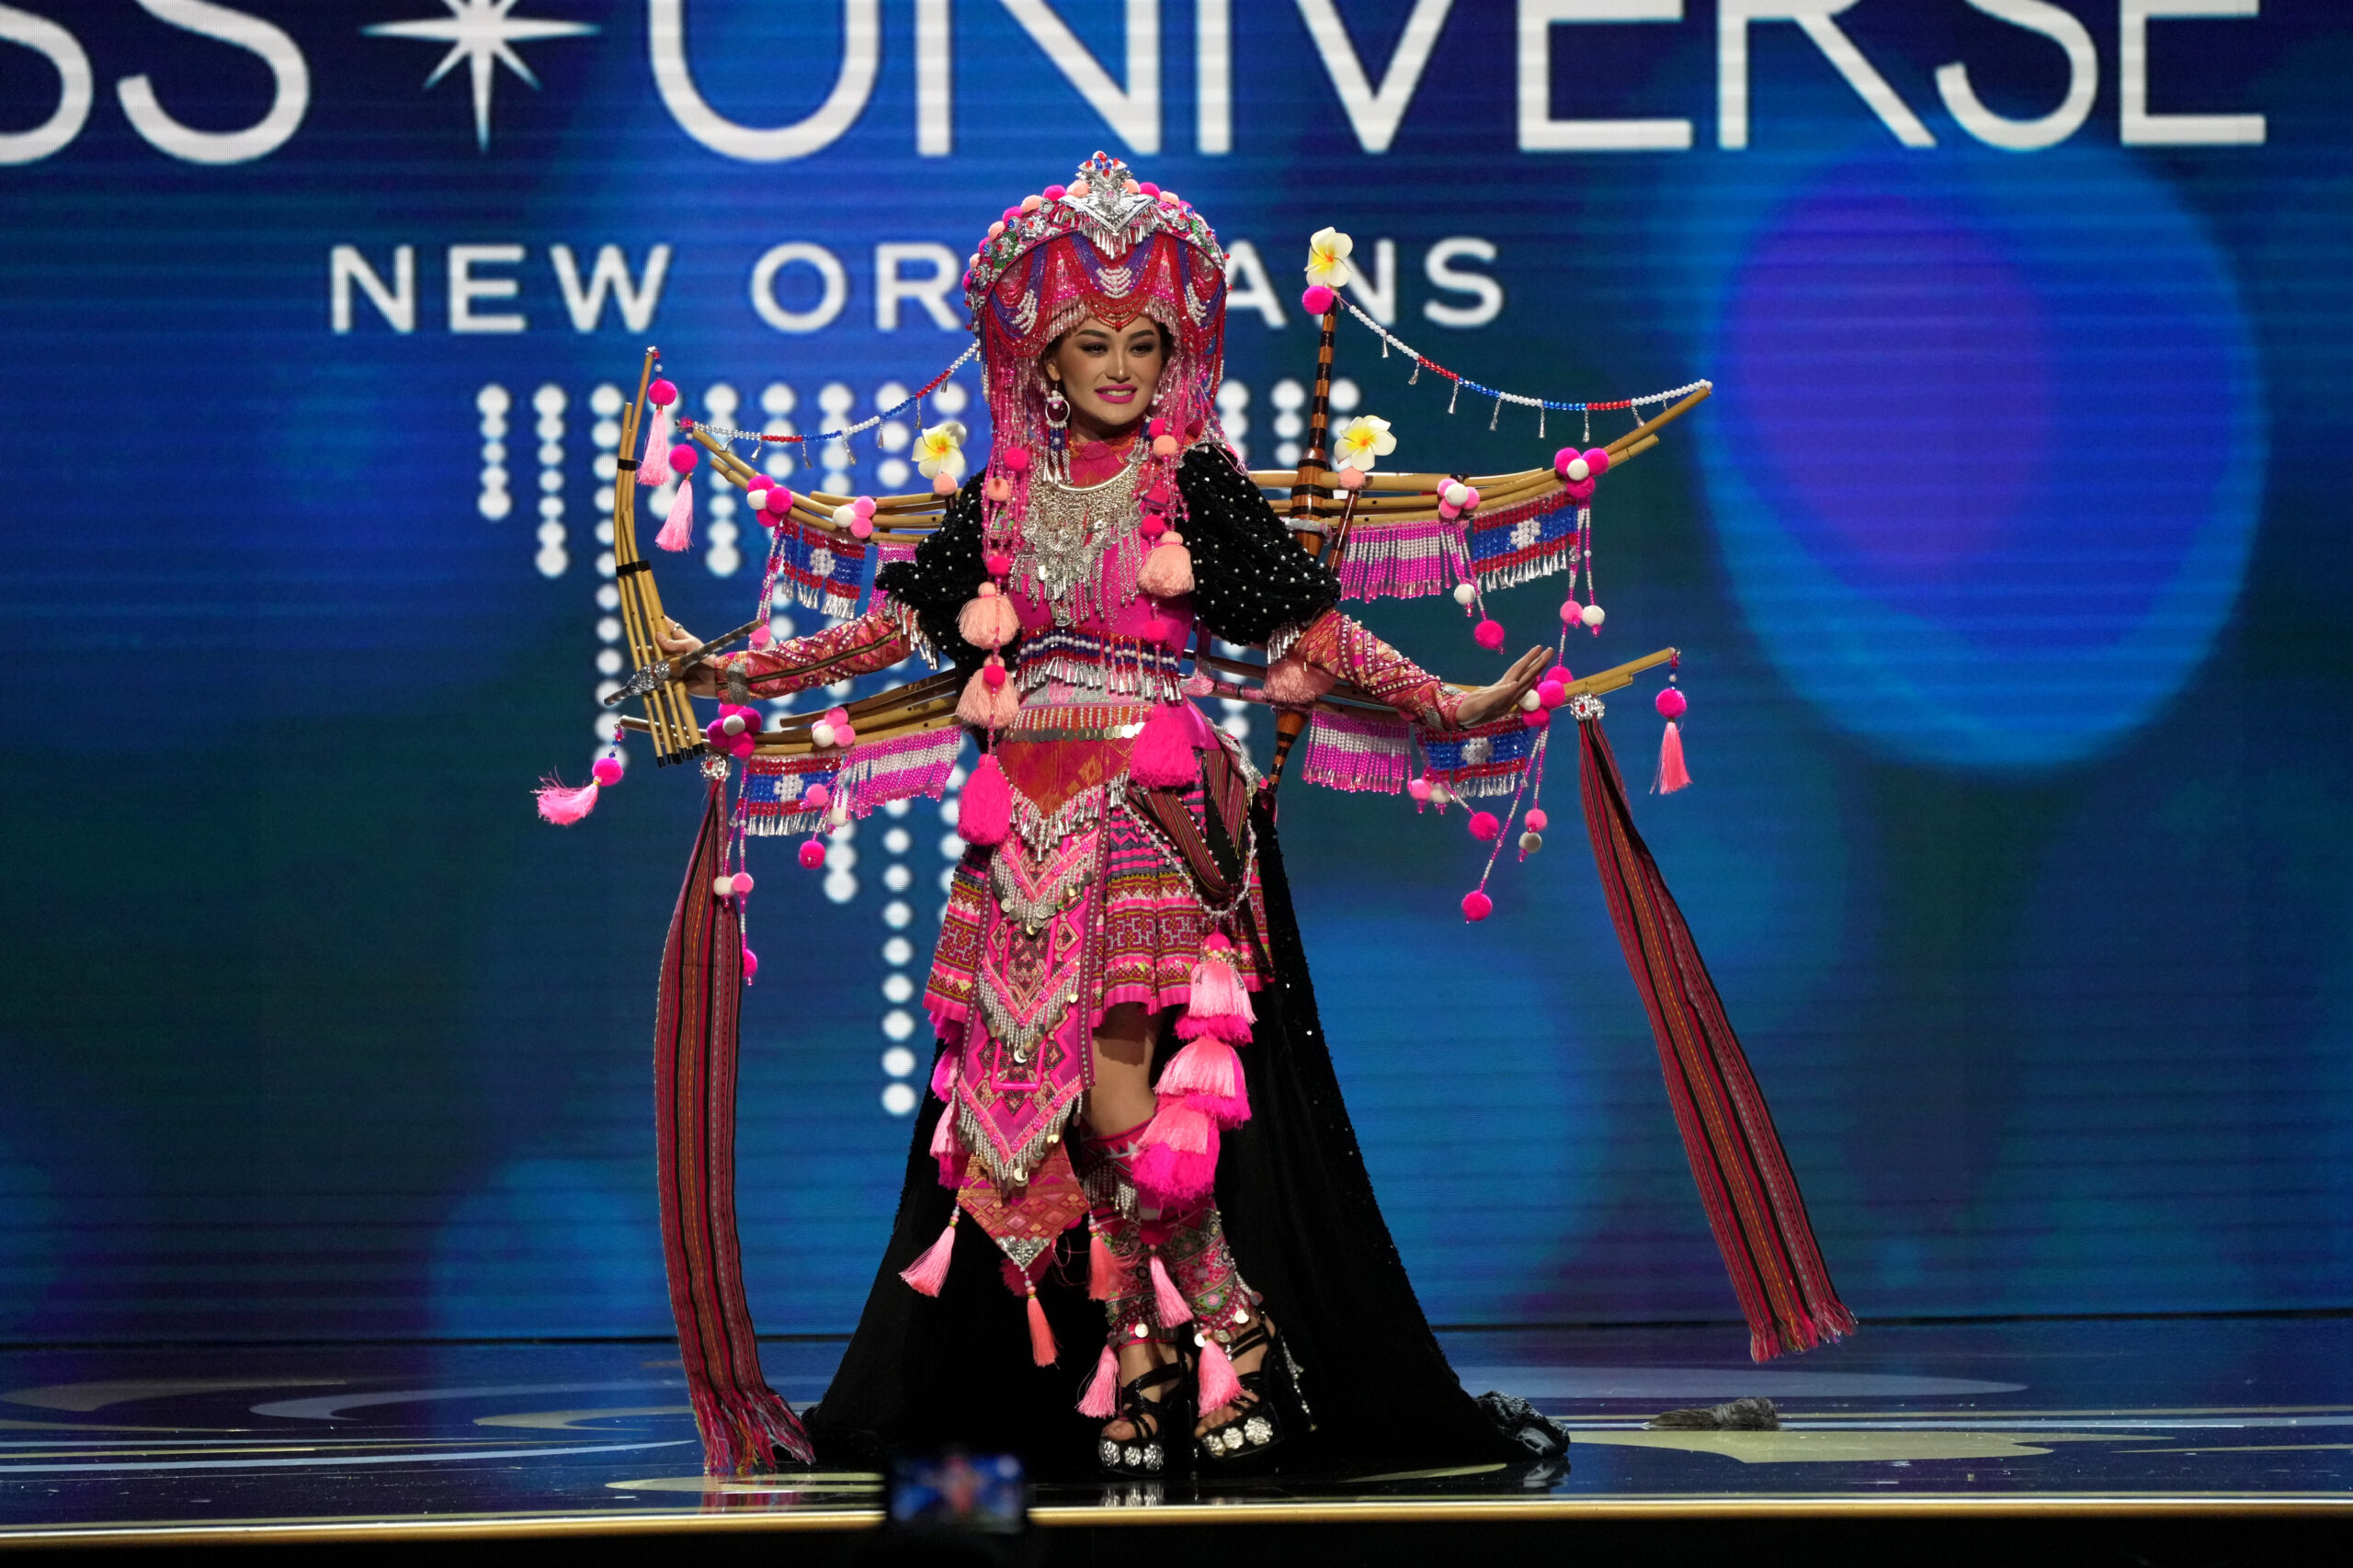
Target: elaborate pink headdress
1109,247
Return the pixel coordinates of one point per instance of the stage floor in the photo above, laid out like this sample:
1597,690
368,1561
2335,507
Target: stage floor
369,1441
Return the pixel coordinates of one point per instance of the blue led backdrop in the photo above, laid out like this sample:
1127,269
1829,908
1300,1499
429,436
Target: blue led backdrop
2008,562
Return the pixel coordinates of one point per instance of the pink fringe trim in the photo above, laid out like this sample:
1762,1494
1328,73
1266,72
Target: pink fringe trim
563,805
943,1076
1101,1400
1168,1301
988,620
929,1272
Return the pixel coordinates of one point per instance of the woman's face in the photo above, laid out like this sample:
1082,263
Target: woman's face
1108,375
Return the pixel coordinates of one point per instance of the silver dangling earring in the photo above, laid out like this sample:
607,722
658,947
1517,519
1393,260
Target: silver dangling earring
1057,409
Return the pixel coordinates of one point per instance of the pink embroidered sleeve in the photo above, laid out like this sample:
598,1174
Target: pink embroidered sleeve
875,641
1346,652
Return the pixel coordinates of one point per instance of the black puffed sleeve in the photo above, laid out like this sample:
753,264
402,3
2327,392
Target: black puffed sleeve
1249,575
947,572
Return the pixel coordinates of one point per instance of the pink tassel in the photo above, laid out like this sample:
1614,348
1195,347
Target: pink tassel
986,814
1219,1386
1163,757
1168,569
654,468
1104,1275
929,1272
565,806
985,705
1101,1400
1167,1303
943,1076
1179,1152
679,531
1207,1066
1295,682
945,1146
1219,1005
1672,775
1043,1352
988,618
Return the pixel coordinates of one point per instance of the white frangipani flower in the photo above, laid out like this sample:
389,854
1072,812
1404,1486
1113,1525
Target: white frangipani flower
940,449
1327,257
1366,437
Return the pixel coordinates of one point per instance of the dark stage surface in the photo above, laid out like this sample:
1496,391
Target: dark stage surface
370,1441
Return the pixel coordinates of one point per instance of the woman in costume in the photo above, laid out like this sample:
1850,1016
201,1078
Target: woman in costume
1133,1100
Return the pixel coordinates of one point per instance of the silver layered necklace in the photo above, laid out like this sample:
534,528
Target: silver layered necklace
1064,536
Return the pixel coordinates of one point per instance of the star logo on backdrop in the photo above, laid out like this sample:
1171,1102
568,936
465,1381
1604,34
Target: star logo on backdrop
483,33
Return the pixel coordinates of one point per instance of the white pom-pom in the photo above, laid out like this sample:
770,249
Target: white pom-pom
1530,843
1529,702
821,733
1579,469
1455,494
1464,593
843,514
1441,795
1591,614
733,725
722,887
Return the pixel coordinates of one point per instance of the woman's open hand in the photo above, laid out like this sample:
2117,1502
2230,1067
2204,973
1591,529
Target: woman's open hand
1493,701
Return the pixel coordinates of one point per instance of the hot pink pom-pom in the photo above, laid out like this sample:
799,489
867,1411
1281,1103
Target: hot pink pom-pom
813,855
683,458
993,675
1552,693
755,485
762,636
1316,299
816,798
1483,825
1561,458
751,966
986,815
1148,188
1017,460
1536,718
929,1272
1156,426
1571,611
1153,526
1101,1400
1053,193
1670,703
1597,459
1559,673
1536,819
999,564
661,393
1488,634
845,736
863,505
1419,789
743,881
778,499
1168,1303
607,770
1163,755
1477,905
563,805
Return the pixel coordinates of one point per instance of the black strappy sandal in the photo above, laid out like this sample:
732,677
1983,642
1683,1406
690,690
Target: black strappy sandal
1147,1454
1258,1426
